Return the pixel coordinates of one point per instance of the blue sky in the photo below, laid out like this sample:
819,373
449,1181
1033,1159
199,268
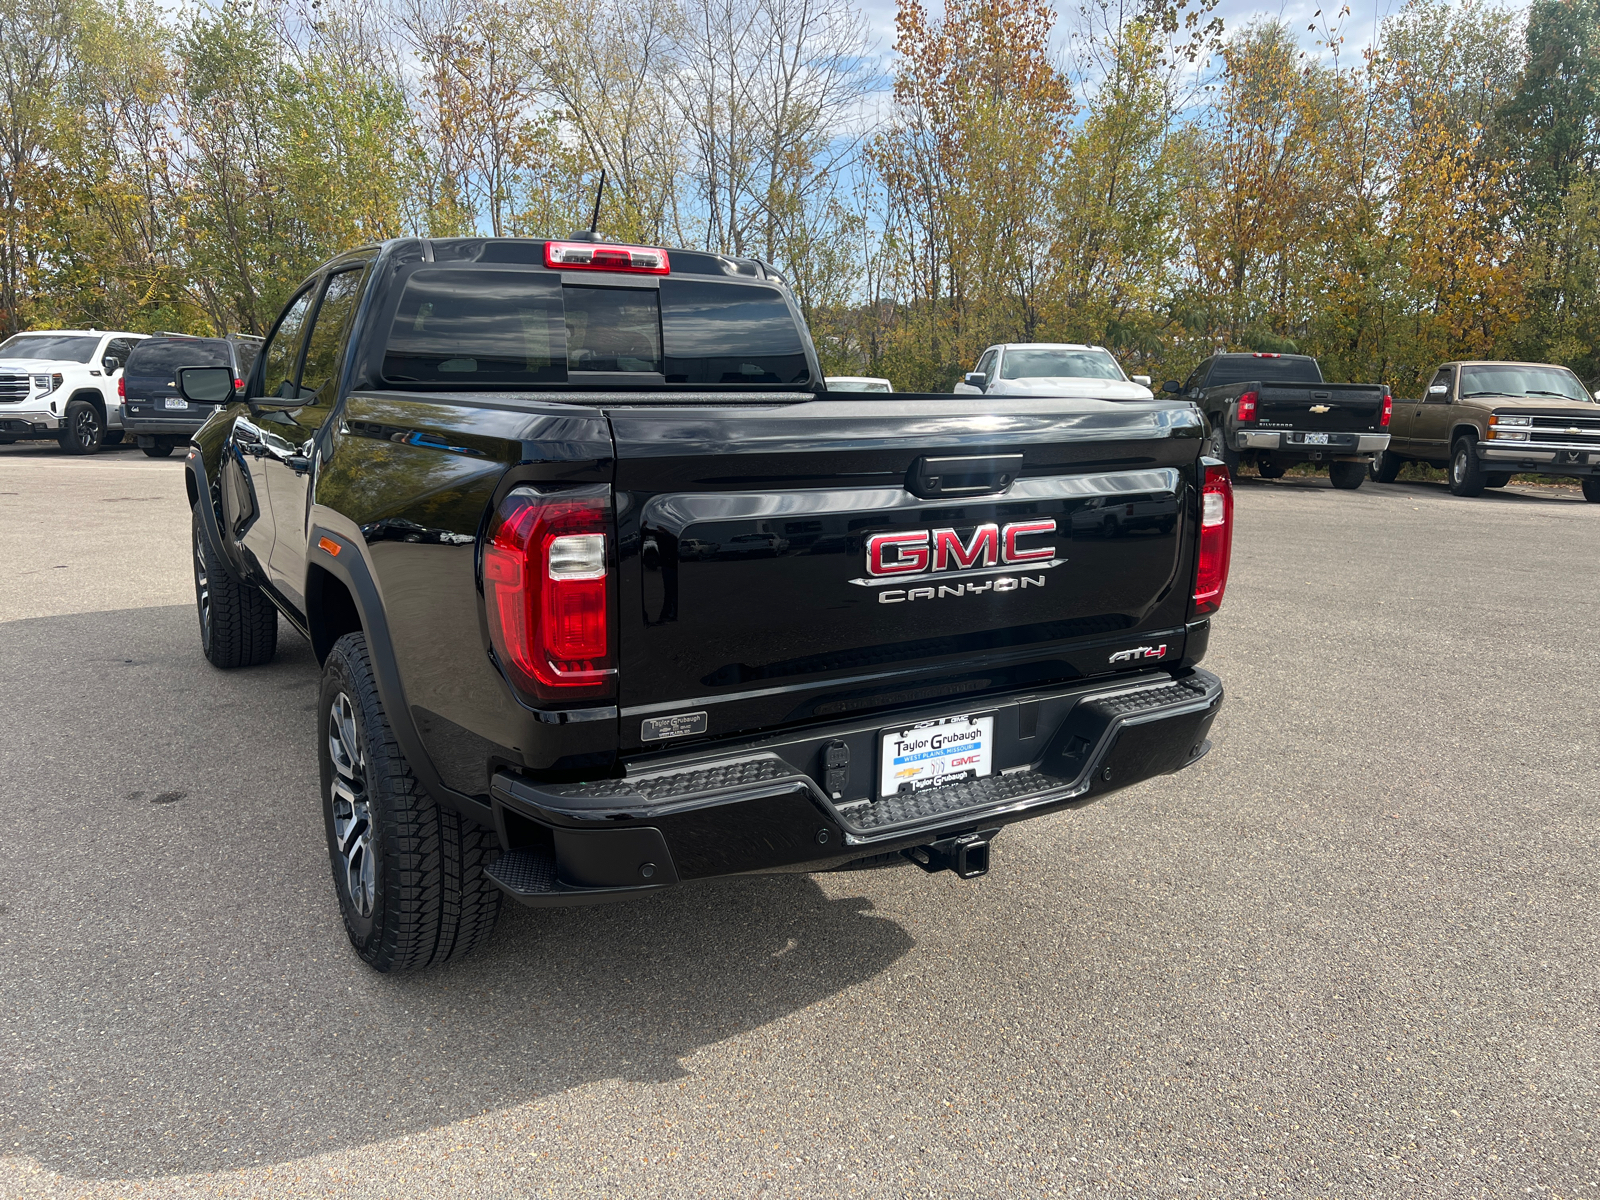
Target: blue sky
1359,27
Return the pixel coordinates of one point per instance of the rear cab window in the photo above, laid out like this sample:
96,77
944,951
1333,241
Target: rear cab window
1249,368
510,326
160,358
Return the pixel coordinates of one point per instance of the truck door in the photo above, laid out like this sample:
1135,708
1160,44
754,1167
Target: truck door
1430,432
289,456
251,439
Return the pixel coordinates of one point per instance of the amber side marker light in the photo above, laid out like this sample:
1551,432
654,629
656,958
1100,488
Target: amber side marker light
331,546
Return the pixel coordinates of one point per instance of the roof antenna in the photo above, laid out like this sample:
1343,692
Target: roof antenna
589,234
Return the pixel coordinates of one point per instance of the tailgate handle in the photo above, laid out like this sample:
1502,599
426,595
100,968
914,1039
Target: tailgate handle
1321,395
963,475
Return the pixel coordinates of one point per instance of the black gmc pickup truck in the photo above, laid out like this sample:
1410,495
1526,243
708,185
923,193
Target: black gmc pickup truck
611,594
1275,410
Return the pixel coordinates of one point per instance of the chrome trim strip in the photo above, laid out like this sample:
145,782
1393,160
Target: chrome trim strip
677,511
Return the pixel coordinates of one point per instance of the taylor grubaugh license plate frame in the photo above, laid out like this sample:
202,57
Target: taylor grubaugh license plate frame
935,753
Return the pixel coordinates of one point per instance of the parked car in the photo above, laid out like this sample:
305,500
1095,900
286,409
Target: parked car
1275,410
858,383
530,692
1052,369
1486,421
152,410
61,384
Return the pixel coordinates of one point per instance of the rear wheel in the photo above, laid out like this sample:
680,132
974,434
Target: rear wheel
1591,489
81,429
409,873
1347,475
1467,477
238,625
1385,467
160,450
1268,469
113,438
1217,447
1498,480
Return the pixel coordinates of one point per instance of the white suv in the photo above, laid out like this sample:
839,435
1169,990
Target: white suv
62,384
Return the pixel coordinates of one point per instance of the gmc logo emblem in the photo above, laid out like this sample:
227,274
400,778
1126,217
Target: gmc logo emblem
923,551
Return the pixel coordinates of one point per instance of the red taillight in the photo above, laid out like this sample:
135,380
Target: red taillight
603,256
1388,408
122,387
1247,406
1265,354
545,590
1216,541
238,385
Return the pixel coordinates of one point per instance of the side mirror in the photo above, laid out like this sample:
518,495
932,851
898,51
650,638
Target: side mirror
1438,389
111,364
205,385
1172,385
975,379
1143,379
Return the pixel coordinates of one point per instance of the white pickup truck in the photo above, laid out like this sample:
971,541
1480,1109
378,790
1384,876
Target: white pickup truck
1052,369
62,384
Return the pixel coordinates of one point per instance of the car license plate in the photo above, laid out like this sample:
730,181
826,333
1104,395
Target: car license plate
174,402
935,753
1316,439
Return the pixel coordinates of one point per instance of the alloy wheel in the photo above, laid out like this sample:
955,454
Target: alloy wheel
352,816
85,426
1458,467
202,594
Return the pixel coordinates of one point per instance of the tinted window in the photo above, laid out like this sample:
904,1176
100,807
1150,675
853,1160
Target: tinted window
1247,368
729,333
333,315
1515,381
62,347
1049,363
283,351
465,325
613,329
245,353
160,358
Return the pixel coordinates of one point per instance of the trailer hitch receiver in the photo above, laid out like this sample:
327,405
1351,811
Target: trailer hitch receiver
966,854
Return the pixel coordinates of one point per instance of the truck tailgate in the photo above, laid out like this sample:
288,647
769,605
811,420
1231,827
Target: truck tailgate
1345,407
746,590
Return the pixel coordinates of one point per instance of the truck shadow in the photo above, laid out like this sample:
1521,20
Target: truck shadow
182,997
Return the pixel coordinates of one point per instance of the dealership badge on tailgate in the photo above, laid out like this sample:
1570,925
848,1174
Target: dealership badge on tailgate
935,753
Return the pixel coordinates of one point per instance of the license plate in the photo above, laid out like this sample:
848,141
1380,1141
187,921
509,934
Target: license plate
174,402
1316,439
936,753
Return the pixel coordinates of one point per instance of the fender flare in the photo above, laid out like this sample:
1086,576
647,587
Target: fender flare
210,524
349,566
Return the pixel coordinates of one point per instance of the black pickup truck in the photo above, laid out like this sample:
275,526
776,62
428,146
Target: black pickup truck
1275,410
611,594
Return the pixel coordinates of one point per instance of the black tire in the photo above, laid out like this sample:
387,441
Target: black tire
158,451
1217,447
1385,467
1591,489
1268,469
238,625
1347,476
113,437
1467,476
1498,480
82,428
409,873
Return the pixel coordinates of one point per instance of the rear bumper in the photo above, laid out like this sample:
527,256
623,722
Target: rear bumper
161,426
1292,441
765,808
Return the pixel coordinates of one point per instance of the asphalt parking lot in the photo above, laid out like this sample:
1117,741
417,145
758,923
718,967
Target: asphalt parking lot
1353,952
